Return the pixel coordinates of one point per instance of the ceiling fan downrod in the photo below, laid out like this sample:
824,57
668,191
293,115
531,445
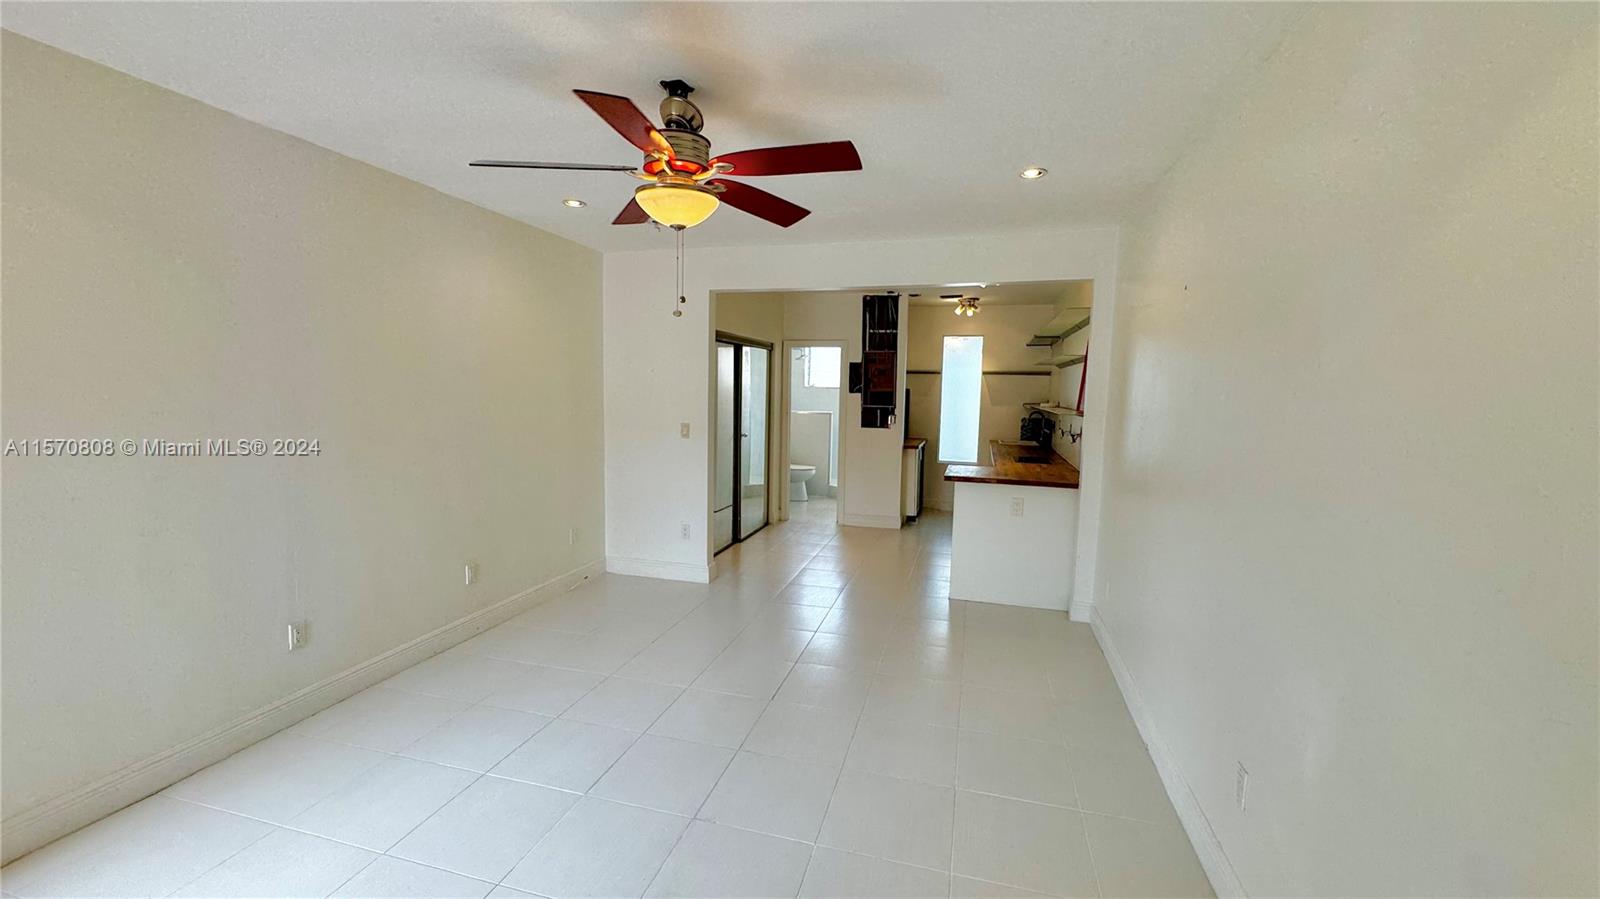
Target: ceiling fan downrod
677,311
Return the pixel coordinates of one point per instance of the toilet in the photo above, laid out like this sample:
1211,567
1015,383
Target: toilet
798,475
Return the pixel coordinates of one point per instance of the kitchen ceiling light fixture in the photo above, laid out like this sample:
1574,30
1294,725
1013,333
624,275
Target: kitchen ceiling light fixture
573,203
1033,173
967,306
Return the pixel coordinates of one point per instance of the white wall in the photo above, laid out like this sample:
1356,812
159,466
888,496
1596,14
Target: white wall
1000,556
1006,331
1350,534
658,367
172,271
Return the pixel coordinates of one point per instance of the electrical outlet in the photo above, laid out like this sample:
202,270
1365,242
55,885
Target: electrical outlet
683,530
471,573
1016,507
1241,785
299,634
572,536
683,429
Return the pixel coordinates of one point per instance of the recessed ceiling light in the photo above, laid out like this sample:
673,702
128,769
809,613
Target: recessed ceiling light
573,203
1033,172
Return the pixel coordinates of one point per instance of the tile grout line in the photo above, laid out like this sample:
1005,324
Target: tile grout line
597,780
653,721
202,874
289,828
696,817
483,774
854,729
854,571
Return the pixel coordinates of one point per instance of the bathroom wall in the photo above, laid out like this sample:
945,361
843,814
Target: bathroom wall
809,444
817,399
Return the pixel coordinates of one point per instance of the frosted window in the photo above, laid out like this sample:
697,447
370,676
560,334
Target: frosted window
961,386
822,366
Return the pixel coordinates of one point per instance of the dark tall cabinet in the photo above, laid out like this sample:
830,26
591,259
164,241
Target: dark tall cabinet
880,343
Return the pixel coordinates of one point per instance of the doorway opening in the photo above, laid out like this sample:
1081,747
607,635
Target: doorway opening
813,409
739,509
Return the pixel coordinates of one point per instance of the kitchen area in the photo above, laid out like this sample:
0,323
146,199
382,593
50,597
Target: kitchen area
998,390
1014,527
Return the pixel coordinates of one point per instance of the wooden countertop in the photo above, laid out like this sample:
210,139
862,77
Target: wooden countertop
914,442
1005,467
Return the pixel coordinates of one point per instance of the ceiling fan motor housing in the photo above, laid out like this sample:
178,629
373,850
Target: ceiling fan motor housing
688,146
677,110
681,122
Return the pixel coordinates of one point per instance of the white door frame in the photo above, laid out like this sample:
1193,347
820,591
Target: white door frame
789,346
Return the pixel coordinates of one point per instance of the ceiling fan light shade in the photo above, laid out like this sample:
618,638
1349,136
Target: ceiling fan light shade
676,206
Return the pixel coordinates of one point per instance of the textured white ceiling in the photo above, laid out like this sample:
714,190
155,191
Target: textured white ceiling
946,101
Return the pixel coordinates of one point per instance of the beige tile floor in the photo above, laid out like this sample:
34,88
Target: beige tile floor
820,721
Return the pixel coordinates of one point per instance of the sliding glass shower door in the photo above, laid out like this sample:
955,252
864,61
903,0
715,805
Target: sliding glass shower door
726,471
753,479
739,506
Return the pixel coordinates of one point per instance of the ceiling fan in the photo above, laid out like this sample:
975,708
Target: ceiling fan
684,181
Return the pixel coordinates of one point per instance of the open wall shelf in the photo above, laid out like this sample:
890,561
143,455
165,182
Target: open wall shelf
1019,374
1051,409
1065,361
1066,323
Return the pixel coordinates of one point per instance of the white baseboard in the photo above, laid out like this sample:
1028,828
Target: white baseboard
28,830
666,571
1081,610
1219,870
871,521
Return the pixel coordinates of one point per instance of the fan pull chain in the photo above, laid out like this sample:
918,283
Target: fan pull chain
677,312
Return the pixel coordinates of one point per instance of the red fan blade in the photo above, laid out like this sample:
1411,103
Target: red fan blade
631,214
621,114
760,204
838,156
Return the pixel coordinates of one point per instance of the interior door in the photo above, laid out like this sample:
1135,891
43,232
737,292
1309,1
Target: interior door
727,471
754,480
